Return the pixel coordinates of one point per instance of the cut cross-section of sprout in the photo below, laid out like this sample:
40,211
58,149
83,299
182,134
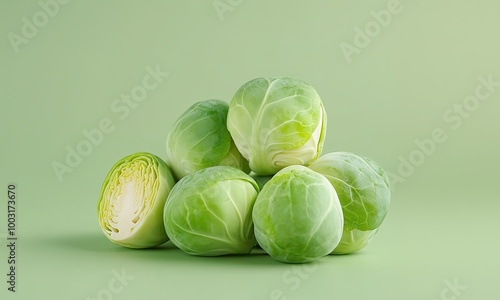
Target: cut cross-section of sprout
133,196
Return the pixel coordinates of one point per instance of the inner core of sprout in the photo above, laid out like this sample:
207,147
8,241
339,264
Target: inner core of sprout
126,204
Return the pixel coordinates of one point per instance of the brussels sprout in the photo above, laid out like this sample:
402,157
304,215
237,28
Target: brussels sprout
200,139
364,192
209,212
297,216
277,122
130,207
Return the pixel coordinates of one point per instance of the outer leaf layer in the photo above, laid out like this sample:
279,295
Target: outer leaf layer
362,186
209,212
277,122
297,216
199,139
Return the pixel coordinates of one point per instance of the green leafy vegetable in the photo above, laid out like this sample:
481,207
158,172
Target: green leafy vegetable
199,139
130,207
277,122
209,212
297,216
364,192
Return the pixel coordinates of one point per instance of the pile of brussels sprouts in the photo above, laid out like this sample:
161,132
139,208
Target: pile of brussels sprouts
246,174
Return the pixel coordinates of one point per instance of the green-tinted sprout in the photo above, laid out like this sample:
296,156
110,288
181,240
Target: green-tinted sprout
297,216
364,192
130,207
277,122
199,139
209,212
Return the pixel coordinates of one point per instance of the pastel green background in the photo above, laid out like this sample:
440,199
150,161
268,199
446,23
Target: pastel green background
444,218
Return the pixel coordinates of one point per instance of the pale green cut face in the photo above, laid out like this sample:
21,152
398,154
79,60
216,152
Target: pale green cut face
364,192
199,139
132,198
297,216
209,212
277,122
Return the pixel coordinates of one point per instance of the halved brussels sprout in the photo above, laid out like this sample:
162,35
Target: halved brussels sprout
364,192
277,122
199,139
209,212
297,216
133,195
